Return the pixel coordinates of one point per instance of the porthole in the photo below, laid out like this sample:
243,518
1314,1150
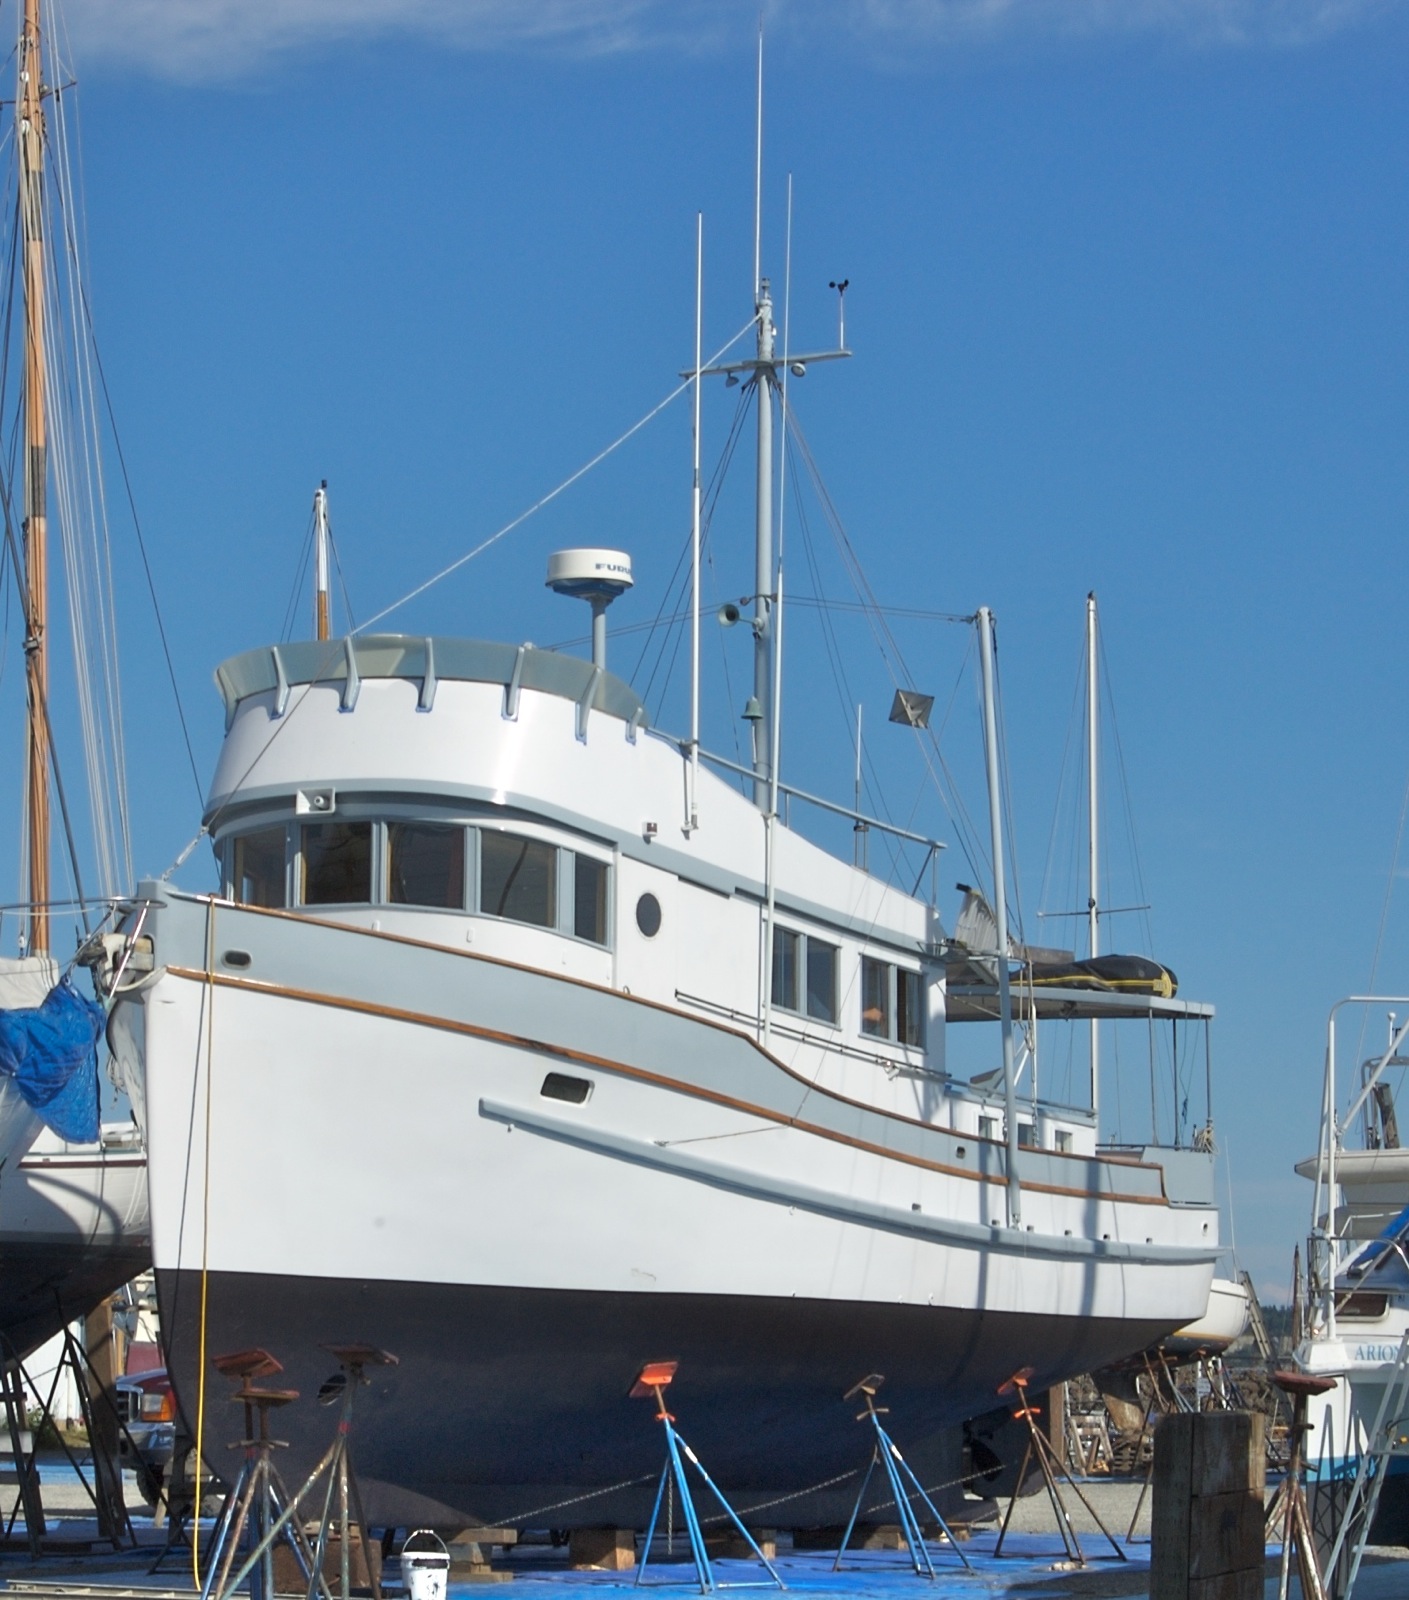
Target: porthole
236,958
648,915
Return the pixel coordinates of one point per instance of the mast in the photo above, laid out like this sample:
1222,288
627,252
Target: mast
1000,908
763,555
1093,911
30,142
322,617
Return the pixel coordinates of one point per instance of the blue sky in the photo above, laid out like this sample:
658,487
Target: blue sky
1128,307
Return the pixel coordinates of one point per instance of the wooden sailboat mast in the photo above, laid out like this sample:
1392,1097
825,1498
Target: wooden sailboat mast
30,143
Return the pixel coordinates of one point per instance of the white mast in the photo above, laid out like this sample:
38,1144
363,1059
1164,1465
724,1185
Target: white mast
692,815
1000,908
1093,911
322,620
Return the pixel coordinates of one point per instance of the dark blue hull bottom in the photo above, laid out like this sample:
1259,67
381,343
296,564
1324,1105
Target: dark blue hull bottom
509,1407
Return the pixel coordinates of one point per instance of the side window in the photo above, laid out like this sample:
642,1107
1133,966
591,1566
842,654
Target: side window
909,1025
785,968
589,899
875,998
518,878
892,1002
336,863
426,864
821,980
804,974
257,868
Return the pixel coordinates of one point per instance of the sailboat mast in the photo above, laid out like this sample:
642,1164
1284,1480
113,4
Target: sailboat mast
1093,911
322,625
30,141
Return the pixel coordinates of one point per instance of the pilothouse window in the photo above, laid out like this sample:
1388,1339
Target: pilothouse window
257,868
426,864
518,879
337,863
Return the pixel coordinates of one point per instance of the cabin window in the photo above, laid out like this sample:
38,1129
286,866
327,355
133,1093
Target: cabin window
1027,1134
518,879
426,864
257,868
988,1127
892,1002
1062,1141
786,945
909,986
589,899
875,998
804,974
337,863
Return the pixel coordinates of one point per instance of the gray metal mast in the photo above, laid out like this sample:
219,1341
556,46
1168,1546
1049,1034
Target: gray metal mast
1000,909
763,576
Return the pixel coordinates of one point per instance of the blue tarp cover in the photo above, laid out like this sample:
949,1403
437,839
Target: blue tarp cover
51,1052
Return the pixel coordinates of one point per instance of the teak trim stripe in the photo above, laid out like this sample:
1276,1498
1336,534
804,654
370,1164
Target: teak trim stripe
284,914
585,1058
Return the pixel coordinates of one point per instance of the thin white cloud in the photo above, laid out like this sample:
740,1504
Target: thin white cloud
237,38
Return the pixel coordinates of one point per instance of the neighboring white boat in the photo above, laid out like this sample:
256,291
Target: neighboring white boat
1225,1320
521,1044
72,1217
74,1228
1357,1302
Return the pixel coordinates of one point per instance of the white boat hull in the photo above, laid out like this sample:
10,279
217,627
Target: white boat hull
350,1141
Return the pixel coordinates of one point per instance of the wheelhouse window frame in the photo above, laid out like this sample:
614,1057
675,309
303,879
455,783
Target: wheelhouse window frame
798,958
893,1002
582,898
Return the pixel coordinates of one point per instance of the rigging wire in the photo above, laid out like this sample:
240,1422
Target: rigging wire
552,494
300,574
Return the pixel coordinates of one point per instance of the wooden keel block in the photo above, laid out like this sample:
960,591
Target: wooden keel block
728,1544
602,1549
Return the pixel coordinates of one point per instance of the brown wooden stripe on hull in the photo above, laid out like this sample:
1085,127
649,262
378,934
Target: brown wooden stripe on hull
585,1058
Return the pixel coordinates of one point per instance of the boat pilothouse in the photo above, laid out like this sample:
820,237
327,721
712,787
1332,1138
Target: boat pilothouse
519,1042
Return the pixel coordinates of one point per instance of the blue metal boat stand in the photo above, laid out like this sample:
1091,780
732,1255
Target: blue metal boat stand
897,1468
1039,1449
654,1379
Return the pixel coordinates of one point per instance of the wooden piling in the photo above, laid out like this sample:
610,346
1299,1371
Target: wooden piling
1207,1533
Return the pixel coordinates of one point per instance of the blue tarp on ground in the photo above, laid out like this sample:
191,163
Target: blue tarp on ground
51,1052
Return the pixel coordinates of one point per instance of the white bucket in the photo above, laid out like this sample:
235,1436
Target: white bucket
425,1572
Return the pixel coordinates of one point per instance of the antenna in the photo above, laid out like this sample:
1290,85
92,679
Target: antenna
758,168
692,818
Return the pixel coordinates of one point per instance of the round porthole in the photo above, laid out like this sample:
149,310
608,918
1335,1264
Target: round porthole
648,915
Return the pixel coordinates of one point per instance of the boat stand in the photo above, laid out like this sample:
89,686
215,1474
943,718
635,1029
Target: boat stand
260,1499
105,1489
1052,1469
897,1469
652,1383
